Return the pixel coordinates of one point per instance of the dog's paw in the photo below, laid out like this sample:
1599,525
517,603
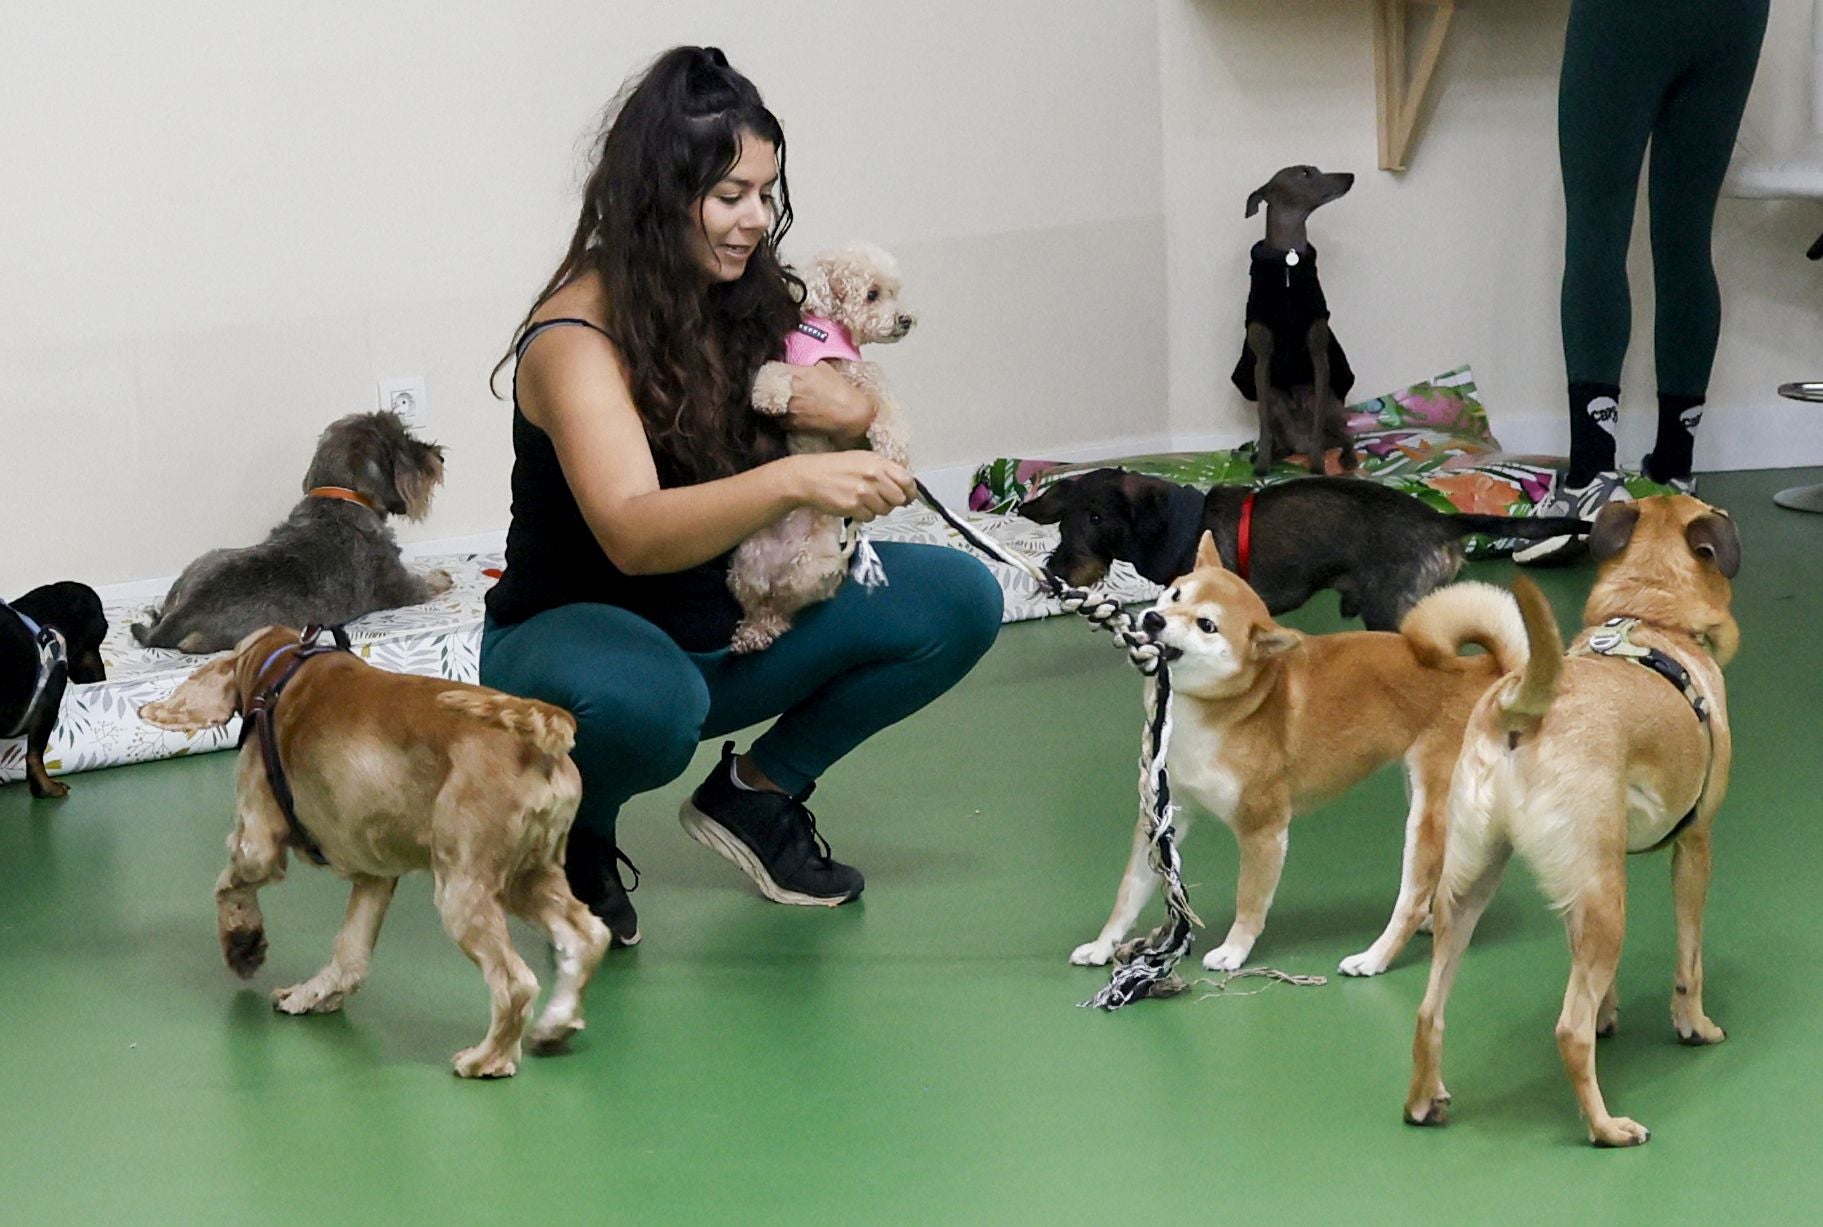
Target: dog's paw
438,582
772,389
1369,962
309,997
754,635
549,1039
1699,1031
48,789
244,950
1092,954
1227,957
1428,1111
483,1061
1619,1131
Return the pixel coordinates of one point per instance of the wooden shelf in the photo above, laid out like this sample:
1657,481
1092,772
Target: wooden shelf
1400,96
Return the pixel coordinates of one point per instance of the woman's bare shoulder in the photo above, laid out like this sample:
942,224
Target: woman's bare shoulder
580,298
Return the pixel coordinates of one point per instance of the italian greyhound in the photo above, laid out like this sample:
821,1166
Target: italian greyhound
1291,365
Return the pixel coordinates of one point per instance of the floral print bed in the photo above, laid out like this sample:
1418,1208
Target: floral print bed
1431,440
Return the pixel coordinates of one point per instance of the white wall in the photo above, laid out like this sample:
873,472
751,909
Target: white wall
1459,258
223,223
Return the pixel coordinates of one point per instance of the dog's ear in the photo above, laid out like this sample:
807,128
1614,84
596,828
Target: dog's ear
1614,525
1271,640
86,667
1715,539
417,468
207,699
1049,507
1255,201
818,298
1207,556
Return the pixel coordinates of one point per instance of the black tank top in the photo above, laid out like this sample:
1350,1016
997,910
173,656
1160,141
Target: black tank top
552,557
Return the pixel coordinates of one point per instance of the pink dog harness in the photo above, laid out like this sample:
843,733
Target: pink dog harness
815,339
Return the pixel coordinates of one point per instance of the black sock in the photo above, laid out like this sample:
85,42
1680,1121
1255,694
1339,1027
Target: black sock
1594,414
1671,452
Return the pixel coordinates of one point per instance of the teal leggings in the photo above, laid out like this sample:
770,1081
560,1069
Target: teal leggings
1675,73
849,667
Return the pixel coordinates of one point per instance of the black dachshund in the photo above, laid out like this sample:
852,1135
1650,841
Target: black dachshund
49,637
1382,550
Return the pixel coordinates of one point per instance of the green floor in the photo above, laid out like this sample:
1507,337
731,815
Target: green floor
918,1058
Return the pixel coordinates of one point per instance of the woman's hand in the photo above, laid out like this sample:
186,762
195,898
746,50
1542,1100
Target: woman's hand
824,402
857,485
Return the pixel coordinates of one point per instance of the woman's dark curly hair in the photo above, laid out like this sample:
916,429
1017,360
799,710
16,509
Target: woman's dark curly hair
691,346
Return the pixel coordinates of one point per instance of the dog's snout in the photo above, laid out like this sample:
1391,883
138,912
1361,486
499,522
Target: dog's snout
905,321
1153,622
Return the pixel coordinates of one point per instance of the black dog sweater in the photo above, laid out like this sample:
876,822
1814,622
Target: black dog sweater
1286,298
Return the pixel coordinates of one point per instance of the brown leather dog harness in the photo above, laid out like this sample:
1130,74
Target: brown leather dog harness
261,712
1614,639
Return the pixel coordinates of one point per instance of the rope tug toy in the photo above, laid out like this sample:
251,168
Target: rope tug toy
1145,967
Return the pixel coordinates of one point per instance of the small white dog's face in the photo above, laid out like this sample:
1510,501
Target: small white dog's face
1214,630
858,287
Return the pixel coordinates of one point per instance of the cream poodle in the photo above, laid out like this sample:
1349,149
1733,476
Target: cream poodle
851,299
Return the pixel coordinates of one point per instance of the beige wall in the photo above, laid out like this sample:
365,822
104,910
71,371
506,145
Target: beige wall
224,223
1458,259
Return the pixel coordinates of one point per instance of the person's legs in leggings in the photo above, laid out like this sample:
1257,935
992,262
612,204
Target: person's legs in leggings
849,667
1614,76
863,660
639,702
1691,146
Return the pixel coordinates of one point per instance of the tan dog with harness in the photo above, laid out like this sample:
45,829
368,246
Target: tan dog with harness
376,774
1622,746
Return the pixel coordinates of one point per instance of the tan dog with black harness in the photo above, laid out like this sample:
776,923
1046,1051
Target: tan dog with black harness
376,774
1622,746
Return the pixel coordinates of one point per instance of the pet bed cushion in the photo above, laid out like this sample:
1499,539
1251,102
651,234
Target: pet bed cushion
1431,440
99,724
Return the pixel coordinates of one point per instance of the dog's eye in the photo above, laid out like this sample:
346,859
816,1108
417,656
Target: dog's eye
1094,517
1205,625
873,295
1173,594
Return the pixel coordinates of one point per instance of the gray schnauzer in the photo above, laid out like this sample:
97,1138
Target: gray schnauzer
332,560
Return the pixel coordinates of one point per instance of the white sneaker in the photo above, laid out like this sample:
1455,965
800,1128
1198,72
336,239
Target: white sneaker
1579,501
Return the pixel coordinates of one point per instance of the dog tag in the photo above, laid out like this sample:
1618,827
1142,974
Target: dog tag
1291,259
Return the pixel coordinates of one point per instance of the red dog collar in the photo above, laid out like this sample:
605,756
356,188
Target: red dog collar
1243,540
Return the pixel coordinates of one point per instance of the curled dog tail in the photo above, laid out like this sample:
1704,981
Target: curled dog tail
1531,697
1449,619
551,729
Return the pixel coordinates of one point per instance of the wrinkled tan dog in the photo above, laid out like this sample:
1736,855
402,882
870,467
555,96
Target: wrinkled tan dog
392,773
1622,746
1268,722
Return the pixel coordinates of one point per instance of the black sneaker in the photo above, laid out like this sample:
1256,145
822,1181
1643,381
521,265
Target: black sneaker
772,837
592,864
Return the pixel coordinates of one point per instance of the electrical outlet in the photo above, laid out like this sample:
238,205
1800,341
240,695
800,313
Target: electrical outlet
407,398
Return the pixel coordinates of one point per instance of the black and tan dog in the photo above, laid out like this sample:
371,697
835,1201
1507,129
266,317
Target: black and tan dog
1381,549
1620,746
49,637
1291,364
